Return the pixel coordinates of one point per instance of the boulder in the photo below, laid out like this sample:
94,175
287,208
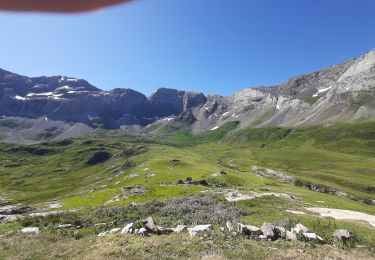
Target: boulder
268,231
312,237
280,232
34,230
290,236
150,225
299,228
102,234
114,230
143,232
249,230
342,235
128,229
179,228
198,229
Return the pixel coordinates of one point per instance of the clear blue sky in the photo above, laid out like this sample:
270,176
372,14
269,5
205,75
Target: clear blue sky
213,46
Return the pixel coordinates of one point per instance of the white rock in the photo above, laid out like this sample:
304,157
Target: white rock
179,228
65,226
34,230
300,228
290,236
114,230
198,229
312,236
127,229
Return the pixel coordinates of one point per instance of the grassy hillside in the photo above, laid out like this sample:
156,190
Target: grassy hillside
97,174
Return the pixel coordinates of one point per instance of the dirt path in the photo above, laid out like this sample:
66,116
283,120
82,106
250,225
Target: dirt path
344,214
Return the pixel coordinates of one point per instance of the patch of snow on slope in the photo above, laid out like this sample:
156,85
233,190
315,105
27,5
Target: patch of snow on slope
19,98
214,128
321,91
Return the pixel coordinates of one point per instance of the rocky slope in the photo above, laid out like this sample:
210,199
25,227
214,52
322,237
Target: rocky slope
338,93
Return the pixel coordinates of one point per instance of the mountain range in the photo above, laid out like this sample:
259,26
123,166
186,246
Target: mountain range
62,106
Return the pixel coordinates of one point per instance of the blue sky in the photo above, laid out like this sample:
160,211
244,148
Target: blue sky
213,46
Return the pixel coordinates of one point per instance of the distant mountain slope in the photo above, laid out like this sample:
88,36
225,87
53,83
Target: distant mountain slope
344,92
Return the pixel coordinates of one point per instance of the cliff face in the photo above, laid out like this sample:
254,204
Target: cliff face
338,93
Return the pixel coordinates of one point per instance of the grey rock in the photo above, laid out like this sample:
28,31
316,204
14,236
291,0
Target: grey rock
179,228
150,225
299,228
143,232
268,231
249,230
127,229
342,235
290,236
198,229
114,230
312,237
32,230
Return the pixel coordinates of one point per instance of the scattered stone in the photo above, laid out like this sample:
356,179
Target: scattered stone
9,218
234,196
55,205
34,230
269,173
114,230
342,235
100,224
13,210
280,232
198,229
51,213
150,225
133,175
299,228
143,232
222,229
249,230
215,174
291,236
268,231
150,175
128,229
190,181
179,228
102,234
65,226
312,237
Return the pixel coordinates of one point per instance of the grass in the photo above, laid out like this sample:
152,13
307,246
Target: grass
88,174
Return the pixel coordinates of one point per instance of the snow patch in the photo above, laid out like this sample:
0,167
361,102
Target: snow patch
19,98
226,113
214,128
321,91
